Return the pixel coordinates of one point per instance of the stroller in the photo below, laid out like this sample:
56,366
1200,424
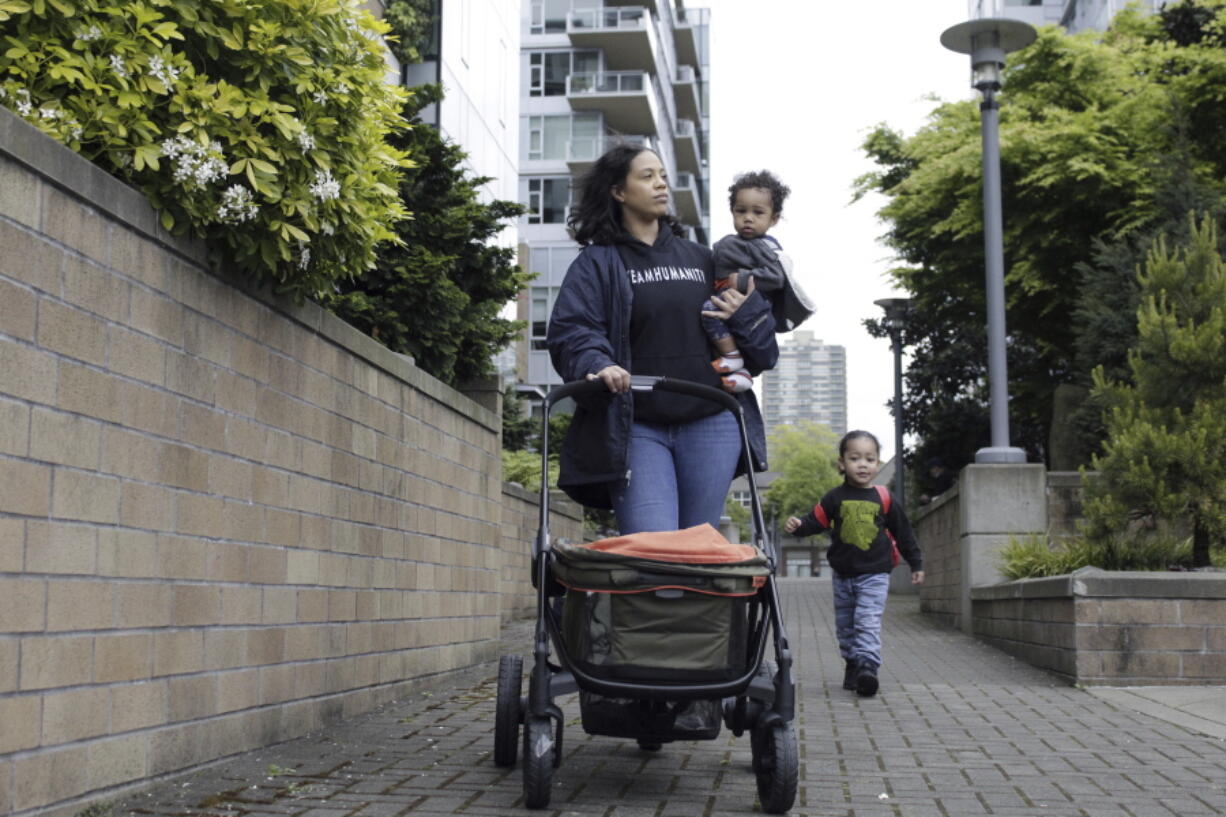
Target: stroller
660,647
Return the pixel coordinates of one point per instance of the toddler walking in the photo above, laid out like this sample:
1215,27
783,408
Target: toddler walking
867,530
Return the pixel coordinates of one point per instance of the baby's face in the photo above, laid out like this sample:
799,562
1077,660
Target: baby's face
752,212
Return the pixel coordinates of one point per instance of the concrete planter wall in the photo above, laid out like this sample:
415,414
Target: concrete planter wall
1112,628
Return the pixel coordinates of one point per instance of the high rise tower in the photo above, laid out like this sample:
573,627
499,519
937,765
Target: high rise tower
809,383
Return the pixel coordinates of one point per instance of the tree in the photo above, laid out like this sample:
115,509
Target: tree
1087,140
413,24
438,296
1164,461
805,455
261,126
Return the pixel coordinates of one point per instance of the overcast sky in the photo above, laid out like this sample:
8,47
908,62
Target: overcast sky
795,86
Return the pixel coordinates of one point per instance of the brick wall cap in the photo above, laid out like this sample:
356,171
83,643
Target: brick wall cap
1091,582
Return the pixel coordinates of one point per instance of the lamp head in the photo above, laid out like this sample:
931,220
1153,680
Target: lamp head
897,311
987,41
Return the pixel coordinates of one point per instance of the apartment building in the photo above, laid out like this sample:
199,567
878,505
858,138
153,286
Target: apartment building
592,75
1073,15
808,384
474,54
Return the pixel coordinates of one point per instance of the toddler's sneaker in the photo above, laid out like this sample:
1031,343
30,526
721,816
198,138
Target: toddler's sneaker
849,674
729,363
866,681
737,382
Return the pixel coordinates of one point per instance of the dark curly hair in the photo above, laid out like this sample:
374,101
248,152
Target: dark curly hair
596,218
765,180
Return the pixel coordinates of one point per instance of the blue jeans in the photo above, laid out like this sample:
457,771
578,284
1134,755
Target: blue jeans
715,328
859,602
679,474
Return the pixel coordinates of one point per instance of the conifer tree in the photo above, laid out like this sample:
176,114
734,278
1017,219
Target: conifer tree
438,297
1163,464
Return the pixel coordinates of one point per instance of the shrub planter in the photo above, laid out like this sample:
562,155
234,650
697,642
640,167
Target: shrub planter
1115,628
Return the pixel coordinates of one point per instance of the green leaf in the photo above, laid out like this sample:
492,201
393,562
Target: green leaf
168,220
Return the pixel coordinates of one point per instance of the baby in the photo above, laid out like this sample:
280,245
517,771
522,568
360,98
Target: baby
756,201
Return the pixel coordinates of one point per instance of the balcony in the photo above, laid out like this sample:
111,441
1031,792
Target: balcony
690,36
650,5
626,34
687,147
685,40
581,153
624,97
686,199
686,94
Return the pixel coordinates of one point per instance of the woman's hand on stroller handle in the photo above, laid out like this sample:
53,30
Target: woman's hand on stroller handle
615,378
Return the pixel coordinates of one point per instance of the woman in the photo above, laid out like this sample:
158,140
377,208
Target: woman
632,302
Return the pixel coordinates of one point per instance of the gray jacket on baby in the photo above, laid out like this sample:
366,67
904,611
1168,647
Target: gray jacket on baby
764,259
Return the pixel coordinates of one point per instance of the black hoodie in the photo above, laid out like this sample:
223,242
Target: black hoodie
670,280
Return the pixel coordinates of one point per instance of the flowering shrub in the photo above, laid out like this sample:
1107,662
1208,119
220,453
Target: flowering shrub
259,125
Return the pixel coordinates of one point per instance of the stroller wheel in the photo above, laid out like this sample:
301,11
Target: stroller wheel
649,745
776,766
508,711
538,761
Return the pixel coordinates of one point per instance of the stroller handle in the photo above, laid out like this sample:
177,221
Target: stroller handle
647,383
643,383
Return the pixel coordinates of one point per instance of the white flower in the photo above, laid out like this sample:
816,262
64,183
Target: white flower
194,164
21,98
236,205
320,96
90,34
50,113
163,72
118,67
304,255
305,140
76,133
325,186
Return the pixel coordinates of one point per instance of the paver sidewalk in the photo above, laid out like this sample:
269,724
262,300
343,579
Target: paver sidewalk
958,729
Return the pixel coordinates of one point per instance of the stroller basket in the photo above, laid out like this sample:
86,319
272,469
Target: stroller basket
659,607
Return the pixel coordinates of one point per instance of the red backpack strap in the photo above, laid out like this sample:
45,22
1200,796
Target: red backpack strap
819,513
883,493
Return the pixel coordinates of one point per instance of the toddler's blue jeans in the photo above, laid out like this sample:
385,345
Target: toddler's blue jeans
679,474
859,602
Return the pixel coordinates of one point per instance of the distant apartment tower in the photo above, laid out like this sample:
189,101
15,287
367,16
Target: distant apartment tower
808,383
1073,15
592,76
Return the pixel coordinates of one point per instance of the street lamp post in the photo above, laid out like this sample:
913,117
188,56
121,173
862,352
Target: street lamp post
987,41
896,312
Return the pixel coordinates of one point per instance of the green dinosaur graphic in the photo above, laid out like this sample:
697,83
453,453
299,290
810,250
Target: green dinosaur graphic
858,522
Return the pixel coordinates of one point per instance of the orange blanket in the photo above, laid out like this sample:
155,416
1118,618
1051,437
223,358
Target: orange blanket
701,544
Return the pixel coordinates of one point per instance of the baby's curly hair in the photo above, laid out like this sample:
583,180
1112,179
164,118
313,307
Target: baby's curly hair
766,181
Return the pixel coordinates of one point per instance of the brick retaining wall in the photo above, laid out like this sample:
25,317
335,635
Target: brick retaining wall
224,519
1114,628
938,526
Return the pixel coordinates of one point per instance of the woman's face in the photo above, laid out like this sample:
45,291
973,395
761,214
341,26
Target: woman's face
644,193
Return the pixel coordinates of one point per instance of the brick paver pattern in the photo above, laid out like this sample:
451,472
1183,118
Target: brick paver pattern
958,729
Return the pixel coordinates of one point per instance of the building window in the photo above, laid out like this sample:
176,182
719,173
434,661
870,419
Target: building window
542,306
549,137
548,16
548,70
548,200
